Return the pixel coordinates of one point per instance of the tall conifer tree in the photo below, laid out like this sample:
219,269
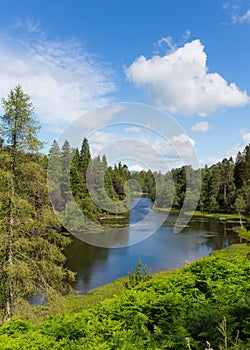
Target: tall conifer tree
30,246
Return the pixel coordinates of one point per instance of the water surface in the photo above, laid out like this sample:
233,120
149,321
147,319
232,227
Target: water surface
164,250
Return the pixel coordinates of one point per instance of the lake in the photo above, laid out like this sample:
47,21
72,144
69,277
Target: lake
163,250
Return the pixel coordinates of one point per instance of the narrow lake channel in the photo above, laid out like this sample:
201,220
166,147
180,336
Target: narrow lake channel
164,250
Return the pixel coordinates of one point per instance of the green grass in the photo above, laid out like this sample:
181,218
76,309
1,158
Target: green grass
221,216
167,210
72,303
229,217
239,251
76,303
244,233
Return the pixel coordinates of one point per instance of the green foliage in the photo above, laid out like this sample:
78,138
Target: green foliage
206,300
225,187
168,311
244,233
97,189
141,274
18,127
31,258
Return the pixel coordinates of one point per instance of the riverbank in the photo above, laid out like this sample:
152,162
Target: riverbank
117,287
170,308
243,232
232,217
73,303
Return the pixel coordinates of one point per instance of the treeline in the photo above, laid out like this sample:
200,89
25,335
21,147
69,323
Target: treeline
97,189
224,186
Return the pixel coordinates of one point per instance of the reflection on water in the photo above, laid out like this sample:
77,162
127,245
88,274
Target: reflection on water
142,223
163,250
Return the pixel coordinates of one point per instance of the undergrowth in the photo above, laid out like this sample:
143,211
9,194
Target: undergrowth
206,304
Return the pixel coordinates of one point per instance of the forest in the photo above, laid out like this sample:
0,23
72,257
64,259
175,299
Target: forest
207,300
223,187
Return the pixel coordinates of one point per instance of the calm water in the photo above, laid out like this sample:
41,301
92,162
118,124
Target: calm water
163,250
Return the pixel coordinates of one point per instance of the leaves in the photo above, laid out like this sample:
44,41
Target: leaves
155,314
30,246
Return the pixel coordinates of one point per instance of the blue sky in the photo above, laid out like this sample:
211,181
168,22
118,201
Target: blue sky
189,58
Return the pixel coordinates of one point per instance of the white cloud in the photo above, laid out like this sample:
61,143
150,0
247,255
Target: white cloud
239,147
96,118
136,167
151,152
200,127
246,137
210,161
184,139
100,140
184,145
232,152
133,129
245,17
168,40
63,80
180,83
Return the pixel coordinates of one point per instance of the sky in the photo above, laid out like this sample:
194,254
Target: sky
189,61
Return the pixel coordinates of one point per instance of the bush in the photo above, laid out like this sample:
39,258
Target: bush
154,313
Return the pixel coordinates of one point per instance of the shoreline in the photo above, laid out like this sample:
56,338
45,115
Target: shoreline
73,303
215,215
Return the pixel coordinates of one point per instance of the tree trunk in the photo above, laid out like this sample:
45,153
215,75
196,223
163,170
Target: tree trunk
225,194
241,224
9,256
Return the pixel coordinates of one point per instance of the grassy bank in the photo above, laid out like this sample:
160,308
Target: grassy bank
232,217
195,303
221,216
78,303
243,232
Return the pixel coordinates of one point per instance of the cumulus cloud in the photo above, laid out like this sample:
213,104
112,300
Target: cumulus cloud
180,83
200,127
184,145
62,79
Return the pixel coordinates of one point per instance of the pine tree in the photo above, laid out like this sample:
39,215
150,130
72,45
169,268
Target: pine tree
54,177
246,156
85,156
67,155
30,246
239,170
55,166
